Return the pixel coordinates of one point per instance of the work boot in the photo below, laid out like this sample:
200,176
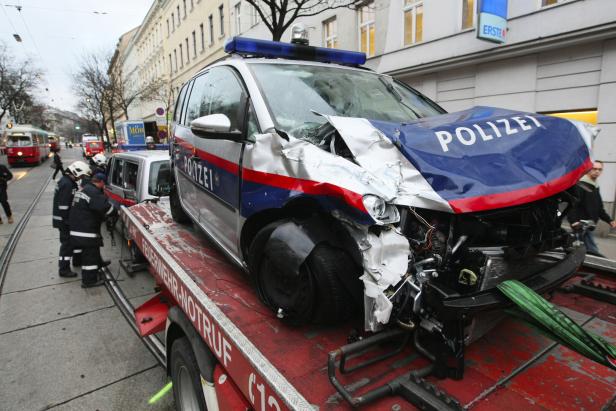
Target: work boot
11,220
94,284
67,273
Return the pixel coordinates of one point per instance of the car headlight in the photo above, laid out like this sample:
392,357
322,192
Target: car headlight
380,211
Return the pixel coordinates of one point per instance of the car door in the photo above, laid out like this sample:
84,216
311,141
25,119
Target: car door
215,165
182,152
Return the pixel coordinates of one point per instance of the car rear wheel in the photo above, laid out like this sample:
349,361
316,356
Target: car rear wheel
177,212
315,295
186,378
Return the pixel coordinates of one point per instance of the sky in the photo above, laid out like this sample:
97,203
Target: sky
56,33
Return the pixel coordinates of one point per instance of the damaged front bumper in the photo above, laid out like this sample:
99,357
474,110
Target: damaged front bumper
449,304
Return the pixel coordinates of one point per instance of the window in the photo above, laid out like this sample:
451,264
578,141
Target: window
413,21
184,1
175,57
173,21
211,21
330,33
177,114
254,15
468,14
187,52
217,92
194,35
334,91
238,24
202,37
168,28
222,20
366,29
192,5
160,178
545,3
130,175
181,56
116,175
178,10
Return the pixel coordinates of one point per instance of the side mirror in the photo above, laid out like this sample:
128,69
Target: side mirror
215,126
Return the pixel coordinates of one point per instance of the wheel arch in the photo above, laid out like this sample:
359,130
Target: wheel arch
180,326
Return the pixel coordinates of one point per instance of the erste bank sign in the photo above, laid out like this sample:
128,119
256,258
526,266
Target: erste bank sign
492,20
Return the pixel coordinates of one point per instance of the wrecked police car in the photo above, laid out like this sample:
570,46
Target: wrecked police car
343,191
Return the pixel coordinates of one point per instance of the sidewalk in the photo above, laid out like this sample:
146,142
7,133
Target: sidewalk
63,347
607,246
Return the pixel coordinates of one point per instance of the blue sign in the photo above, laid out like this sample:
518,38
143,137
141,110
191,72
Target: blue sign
135,132
492,24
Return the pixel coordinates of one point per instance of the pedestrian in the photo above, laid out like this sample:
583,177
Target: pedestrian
89,210
589,206
62,200
98,164
5,176
57,165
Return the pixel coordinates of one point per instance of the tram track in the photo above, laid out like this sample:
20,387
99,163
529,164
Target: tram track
152,343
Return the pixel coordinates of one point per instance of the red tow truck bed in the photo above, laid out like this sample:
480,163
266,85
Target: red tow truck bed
276,366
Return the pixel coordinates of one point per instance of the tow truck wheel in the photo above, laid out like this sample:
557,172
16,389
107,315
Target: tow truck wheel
317,295
177,212
186,377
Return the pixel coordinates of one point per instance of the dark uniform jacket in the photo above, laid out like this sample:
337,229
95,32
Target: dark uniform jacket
5,175
590,205
89,210
62,200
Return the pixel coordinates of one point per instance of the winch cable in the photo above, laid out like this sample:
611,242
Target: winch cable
557,325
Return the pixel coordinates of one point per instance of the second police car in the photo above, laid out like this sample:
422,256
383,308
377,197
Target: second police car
343,191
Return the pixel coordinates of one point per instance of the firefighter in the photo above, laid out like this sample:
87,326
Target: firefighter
98,164
90,208
62,200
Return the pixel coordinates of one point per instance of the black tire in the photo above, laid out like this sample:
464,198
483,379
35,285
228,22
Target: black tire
317,295
187,390
177,212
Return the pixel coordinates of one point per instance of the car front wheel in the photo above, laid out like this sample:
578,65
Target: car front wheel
314,295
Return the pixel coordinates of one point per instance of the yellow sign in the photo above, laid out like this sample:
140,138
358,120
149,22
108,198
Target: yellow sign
589,116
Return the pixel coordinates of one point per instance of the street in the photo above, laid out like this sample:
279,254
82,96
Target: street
64,347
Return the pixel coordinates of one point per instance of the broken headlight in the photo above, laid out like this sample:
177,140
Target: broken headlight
380,211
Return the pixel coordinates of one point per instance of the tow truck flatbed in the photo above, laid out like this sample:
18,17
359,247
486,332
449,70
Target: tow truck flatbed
278,366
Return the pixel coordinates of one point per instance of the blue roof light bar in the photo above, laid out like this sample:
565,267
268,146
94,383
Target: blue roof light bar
277,49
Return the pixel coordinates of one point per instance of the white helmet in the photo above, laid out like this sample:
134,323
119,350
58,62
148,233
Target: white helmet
99,159
79,169
149,140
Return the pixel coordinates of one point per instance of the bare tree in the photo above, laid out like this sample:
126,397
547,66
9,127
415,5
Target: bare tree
92,87
279,15
125,90
161,92
17,81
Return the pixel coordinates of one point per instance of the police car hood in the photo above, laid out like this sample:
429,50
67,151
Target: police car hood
473,160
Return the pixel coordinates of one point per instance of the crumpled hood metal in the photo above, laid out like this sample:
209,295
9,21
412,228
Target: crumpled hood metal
473,160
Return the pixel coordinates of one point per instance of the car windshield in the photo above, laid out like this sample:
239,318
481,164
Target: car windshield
93,145
295,93
160,178
19,141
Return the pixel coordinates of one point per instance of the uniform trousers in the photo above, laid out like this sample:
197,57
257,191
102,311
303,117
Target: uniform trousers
90,264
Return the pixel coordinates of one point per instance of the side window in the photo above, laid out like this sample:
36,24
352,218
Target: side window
217,92
199,101
252,126
227,96
177,112
116,173
130,175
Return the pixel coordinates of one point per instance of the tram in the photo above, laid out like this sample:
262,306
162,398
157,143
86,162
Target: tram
53,142
27,145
